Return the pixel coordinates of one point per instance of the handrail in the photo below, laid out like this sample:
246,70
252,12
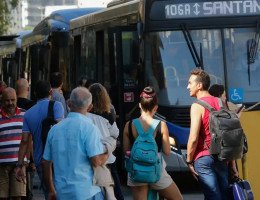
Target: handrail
251,107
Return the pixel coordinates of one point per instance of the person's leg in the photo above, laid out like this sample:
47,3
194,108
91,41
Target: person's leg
171,193
221,169
204,166
17,189
139,192
29,189
117,188
4,182
44,188
166,187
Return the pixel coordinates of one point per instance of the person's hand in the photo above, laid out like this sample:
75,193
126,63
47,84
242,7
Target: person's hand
52,195
32,166
20,174
193,172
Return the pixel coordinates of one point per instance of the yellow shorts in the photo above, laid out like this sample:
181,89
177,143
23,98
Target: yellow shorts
9,186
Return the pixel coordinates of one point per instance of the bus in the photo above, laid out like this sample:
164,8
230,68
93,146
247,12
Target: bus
10,57
7,50
135,43
35,54
46,49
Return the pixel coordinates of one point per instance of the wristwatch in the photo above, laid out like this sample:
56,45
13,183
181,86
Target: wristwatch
189,162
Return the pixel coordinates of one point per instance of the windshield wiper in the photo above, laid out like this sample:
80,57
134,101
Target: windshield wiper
198,60
252,47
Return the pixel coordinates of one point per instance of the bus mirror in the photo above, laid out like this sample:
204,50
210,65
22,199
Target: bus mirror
140,30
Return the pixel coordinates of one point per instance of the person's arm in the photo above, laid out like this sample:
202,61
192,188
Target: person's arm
166,146
58,111
126,141
19,172
196,119
234,169
30,152
113,130
47,167
47,177
99,160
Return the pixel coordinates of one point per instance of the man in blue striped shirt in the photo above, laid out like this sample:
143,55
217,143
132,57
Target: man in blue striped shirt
11,123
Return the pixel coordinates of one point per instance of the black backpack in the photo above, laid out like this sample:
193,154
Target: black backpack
47,123
228,140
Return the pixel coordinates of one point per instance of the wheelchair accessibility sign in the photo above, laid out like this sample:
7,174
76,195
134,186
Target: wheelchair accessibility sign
236,95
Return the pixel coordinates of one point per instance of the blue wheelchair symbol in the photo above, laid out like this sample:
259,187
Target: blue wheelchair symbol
236,95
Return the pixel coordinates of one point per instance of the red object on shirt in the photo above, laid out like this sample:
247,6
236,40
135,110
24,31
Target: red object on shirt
204,135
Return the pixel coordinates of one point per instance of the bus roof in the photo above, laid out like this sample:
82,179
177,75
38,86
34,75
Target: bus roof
57,21
107,14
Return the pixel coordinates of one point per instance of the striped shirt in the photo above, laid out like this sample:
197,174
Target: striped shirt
10,136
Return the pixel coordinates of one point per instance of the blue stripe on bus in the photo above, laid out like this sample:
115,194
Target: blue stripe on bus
181,134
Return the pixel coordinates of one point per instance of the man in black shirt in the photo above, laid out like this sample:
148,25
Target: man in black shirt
22,91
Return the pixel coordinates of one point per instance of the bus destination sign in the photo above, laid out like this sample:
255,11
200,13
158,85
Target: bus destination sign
212,9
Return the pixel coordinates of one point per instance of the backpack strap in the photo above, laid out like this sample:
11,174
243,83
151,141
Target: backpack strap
140,129
220,103
130,132
158,137
50,109
205,105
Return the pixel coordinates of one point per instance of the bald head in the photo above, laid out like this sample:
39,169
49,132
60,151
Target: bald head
22,88
9,100
80,99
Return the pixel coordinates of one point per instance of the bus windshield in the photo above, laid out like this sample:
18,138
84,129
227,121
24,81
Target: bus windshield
169,62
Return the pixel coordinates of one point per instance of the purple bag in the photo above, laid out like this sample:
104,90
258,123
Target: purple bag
242,190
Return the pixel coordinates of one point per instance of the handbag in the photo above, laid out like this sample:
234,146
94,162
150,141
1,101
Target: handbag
241,190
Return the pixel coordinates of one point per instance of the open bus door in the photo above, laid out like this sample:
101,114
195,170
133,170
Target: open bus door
126,83
125,74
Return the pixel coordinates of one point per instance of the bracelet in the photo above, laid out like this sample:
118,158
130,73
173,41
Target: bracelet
189,162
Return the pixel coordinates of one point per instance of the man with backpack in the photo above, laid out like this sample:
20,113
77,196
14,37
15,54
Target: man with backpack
56,81
33,119
209,167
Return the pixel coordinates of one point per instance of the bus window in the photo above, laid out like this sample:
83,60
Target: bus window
237,64
130,59
169,63
88,56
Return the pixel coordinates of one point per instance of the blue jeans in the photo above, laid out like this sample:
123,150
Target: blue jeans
213,177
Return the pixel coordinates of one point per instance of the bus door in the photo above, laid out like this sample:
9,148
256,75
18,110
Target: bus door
125,73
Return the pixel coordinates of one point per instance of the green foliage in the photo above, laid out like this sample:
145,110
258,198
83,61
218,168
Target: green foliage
5,8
